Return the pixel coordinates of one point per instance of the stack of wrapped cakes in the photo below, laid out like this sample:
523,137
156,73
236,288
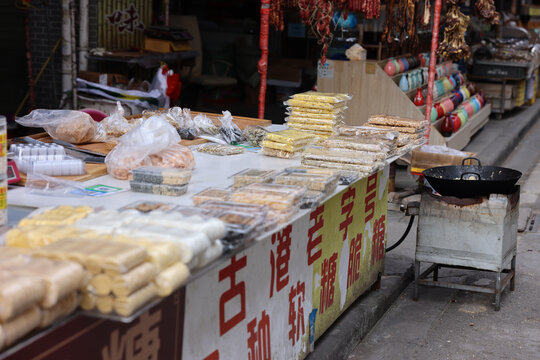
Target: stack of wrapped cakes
412,133
316,113
286,143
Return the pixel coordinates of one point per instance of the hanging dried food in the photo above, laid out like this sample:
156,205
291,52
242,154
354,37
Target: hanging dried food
453,46
426,18
277,12
485,10
400,21
318,14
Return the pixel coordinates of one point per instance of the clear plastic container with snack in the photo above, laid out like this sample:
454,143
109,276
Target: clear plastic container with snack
317,182
211,193
160,175
250,176
277,197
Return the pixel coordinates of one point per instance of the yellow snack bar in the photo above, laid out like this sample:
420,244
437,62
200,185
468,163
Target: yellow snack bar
171,279
62,215
278,153
282,146
20,326
312,120
321,97
88,301
343,156
126,305
290,136
105,304
101,284
309,127
324,113
133,280
311,104
64,307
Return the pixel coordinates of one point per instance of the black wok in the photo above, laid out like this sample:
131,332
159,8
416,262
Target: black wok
471,180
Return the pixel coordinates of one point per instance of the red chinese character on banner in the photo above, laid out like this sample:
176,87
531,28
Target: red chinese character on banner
140,342
126,20
317,217
328,279
371,192
347,203
259,347
280,262
237,289
355,254
296,311
379,231
213,356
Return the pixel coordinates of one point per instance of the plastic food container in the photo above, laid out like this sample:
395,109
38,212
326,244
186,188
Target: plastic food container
149,206
283,216
239,224
250,176
317,182
159,175
312,199
216,207
277,197
158,189
211,194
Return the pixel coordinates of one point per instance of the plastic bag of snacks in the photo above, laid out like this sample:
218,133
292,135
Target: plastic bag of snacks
254,135
319,97
154,142
75,127
205,125
116,124
188,130
230,132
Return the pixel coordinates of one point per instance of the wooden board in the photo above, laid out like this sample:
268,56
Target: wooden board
96,170
373,92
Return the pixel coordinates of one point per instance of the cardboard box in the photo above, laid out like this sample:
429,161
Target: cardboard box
421,160
166,46
103,78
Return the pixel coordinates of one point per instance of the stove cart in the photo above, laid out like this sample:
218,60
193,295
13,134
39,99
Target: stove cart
469,233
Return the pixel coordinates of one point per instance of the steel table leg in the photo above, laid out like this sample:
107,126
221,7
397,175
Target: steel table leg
436,273
416,278
513,280
498,291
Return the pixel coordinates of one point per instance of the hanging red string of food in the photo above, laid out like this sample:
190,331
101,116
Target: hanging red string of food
453,47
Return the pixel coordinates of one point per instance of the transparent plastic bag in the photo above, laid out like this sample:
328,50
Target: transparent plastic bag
153,135
205,125
187,130
75,127
278,153
40,184
116,125
230,132
254,135
175,117
321,97
293,137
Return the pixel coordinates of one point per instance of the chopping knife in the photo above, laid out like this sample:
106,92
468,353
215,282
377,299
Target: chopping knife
85,157
76,148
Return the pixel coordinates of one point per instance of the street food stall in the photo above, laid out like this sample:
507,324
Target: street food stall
280,242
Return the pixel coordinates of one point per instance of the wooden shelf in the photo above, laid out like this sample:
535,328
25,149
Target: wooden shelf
461,138
374,92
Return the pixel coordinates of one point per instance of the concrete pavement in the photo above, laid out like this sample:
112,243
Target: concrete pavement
430,327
